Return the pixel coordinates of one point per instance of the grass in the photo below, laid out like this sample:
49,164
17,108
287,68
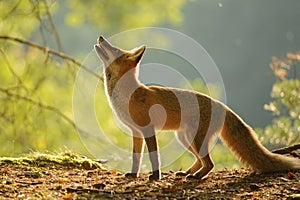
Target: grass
66,158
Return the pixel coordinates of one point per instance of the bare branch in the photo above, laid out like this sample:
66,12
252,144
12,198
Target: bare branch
287,150
12,10
54,31
52,52
43,106
38,16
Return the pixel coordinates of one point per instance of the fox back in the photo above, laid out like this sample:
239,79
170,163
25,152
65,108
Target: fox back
196,118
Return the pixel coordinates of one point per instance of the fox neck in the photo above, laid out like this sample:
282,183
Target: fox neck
121,86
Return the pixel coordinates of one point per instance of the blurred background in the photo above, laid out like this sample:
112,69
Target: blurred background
254,44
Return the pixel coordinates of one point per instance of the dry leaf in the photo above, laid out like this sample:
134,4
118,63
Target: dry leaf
291,175
67,196
64,180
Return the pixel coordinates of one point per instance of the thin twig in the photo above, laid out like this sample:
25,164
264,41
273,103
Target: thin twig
12,10
287,150
38,16
52,52
54,31
43,106
10,68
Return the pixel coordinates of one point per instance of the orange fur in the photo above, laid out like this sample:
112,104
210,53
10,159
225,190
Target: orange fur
197,118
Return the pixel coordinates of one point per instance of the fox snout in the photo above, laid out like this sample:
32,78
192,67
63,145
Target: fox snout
113,56
106,52
100,39
101,52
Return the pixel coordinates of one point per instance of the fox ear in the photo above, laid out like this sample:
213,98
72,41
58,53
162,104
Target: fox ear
137,53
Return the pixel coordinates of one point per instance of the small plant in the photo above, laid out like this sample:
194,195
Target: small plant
64,159
285,127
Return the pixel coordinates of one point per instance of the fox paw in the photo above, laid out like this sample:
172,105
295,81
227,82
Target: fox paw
195,176
191,176
154,176
181,173
131,175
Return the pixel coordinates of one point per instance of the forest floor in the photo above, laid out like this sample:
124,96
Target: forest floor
69,176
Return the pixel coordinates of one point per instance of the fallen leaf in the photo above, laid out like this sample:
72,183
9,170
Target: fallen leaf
34,174
290,175
67,196
99,185
64,180
254,186
168,187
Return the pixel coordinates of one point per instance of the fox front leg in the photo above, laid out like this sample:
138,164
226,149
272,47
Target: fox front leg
138,146
151,142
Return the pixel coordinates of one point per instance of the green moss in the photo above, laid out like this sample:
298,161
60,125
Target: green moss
66,159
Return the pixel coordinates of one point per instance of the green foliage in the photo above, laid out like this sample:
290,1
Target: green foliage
285,129
36,88
115,16
25,123
15,14
223,158
211,90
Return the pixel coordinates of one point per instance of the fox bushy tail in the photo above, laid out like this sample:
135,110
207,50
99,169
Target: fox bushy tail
243,142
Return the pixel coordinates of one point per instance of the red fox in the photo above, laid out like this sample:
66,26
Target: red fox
145,109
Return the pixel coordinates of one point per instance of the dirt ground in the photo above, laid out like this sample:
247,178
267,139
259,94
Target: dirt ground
69,180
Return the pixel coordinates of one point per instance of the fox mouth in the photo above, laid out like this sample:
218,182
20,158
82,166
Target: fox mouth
101,51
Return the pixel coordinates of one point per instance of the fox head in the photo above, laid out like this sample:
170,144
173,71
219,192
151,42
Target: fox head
117,61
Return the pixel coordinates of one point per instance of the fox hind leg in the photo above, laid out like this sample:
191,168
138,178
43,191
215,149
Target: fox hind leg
203,164
202,147
207,166
193,169
185,141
